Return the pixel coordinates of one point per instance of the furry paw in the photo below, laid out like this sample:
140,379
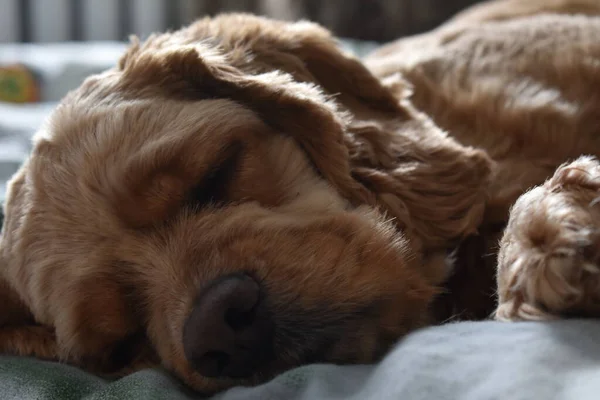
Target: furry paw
549,259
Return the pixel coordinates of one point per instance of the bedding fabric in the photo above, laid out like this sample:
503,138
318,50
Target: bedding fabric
478,360
468,360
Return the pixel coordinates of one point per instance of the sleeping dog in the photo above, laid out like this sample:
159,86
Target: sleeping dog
241,197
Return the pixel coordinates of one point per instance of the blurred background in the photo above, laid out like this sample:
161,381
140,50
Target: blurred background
60,20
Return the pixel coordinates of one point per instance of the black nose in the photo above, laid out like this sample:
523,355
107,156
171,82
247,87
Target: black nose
229,331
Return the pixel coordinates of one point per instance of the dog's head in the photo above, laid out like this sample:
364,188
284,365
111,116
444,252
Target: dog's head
202,191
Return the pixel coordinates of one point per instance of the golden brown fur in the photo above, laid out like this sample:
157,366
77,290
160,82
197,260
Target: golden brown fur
522,86
339,187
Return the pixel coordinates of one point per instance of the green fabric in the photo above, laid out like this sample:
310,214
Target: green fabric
25,378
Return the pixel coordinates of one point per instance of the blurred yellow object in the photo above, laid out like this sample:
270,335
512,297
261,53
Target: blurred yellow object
18,85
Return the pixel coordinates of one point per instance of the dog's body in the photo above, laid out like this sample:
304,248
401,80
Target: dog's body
240,197
517,79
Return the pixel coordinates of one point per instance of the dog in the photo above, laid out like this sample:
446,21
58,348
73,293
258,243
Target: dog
241,197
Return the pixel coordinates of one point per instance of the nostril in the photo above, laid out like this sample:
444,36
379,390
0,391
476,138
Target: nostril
239,319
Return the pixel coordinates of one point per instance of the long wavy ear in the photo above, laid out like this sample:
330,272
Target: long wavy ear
279,71
431,184
304,50
427,181
324,62
298,109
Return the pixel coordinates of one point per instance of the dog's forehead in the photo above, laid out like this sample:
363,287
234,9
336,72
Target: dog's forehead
126,126
138,150
135,162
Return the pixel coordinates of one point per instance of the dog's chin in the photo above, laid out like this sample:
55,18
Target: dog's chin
365,345
339,352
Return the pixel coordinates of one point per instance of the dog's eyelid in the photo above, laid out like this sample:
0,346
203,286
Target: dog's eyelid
212,188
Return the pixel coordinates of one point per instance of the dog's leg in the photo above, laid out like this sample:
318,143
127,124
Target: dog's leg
29,340
549,259
21,336
18,333
12,310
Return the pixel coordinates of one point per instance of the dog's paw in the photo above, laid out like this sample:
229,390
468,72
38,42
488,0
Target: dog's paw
549,258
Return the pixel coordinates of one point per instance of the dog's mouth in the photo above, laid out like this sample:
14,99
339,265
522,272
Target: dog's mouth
235,331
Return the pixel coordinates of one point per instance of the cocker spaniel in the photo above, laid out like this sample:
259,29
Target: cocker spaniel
241,197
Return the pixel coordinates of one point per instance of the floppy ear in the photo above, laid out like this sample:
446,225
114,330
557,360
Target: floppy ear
427,181
431,184
324,62
294,108
304,50
272,69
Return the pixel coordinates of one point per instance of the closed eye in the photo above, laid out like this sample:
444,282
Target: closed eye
212,189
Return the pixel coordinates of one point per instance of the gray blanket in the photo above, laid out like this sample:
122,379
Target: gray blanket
470,361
